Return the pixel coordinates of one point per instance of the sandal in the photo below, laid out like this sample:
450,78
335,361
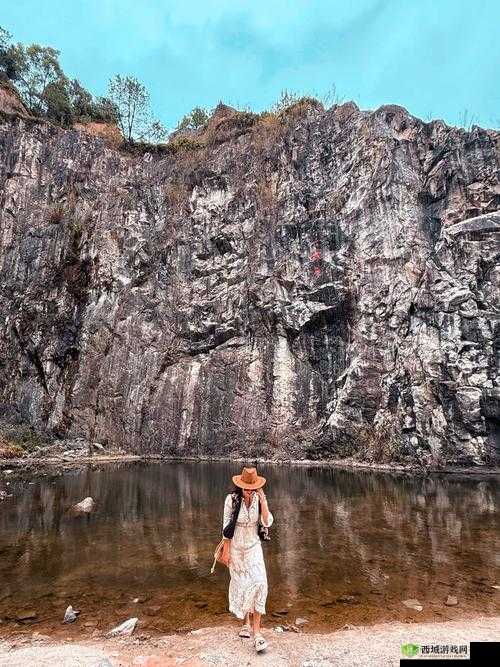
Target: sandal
245,631
259,642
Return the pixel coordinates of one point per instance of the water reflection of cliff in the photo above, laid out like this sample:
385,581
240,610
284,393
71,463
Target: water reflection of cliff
335,532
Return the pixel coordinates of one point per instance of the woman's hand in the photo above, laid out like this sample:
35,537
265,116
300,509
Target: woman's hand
261,494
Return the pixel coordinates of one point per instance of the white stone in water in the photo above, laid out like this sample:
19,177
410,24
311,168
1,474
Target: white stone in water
126,628
85,506
70,615
413,604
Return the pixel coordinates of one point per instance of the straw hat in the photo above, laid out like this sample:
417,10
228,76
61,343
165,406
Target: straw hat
249,479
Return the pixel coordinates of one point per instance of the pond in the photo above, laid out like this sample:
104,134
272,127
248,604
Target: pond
346,547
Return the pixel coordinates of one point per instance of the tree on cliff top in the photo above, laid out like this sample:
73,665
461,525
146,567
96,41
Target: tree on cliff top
44,88
196,118
131,100
37,67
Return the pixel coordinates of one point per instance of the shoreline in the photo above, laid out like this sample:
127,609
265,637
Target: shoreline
28,464
377,645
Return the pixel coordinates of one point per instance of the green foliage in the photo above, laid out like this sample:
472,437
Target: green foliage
194,119
286,99
105,110
38,67
57,102
44,88
131,100
184,144
9,57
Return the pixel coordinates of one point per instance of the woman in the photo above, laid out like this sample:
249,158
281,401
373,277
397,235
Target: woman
243,552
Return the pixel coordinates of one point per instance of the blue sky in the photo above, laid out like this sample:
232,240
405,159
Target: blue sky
438,58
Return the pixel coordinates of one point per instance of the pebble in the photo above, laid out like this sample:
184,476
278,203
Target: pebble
413,604
301,621
451,601
70,615
26,615
125,628
278,628
348,599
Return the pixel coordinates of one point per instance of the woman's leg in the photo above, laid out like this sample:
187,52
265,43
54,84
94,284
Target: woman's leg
256,622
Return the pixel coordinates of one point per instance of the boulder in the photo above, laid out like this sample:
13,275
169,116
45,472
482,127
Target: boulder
85,506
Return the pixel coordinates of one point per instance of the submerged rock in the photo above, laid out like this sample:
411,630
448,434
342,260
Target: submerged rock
70,615
413,604
126,628
84,507
26,615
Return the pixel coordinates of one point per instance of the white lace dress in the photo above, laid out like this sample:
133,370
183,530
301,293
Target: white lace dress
248,584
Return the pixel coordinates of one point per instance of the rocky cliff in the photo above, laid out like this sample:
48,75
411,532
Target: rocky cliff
315,283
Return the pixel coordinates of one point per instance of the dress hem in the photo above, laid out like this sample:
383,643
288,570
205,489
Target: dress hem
242,615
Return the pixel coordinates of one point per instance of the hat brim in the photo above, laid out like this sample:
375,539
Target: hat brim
260,481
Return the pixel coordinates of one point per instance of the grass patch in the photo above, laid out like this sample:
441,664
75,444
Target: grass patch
18,440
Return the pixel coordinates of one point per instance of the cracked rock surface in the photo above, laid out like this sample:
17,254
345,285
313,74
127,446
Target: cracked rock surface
318,284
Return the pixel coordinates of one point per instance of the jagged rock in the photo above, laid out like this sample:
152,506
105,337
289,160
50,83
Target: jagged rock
70,615
84,507
126,628
318,285
10,101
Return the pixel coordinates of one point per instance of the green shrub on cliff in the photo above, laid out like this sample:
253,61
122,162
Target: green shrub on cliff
45,90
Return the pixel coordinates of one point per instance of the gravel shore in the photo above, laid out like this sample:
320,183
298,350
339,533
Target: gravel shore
371,646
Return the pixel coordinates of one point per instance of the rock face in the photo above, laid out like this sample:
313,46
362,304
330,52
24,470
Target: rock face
10,102
319,283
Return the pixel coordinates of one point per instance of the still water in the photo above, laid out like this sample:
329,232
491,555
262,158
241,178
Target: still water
375,538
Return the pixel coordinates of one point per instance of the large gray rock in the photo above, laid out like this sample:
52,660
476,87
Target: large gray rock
287,288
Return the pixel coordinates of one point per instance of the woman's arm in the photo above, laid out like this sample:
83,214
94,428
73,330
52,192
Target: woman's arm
228,509
266,516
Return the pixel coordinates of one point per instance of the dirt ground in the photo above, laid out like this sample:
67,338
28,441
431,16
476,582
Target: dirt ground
371,646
